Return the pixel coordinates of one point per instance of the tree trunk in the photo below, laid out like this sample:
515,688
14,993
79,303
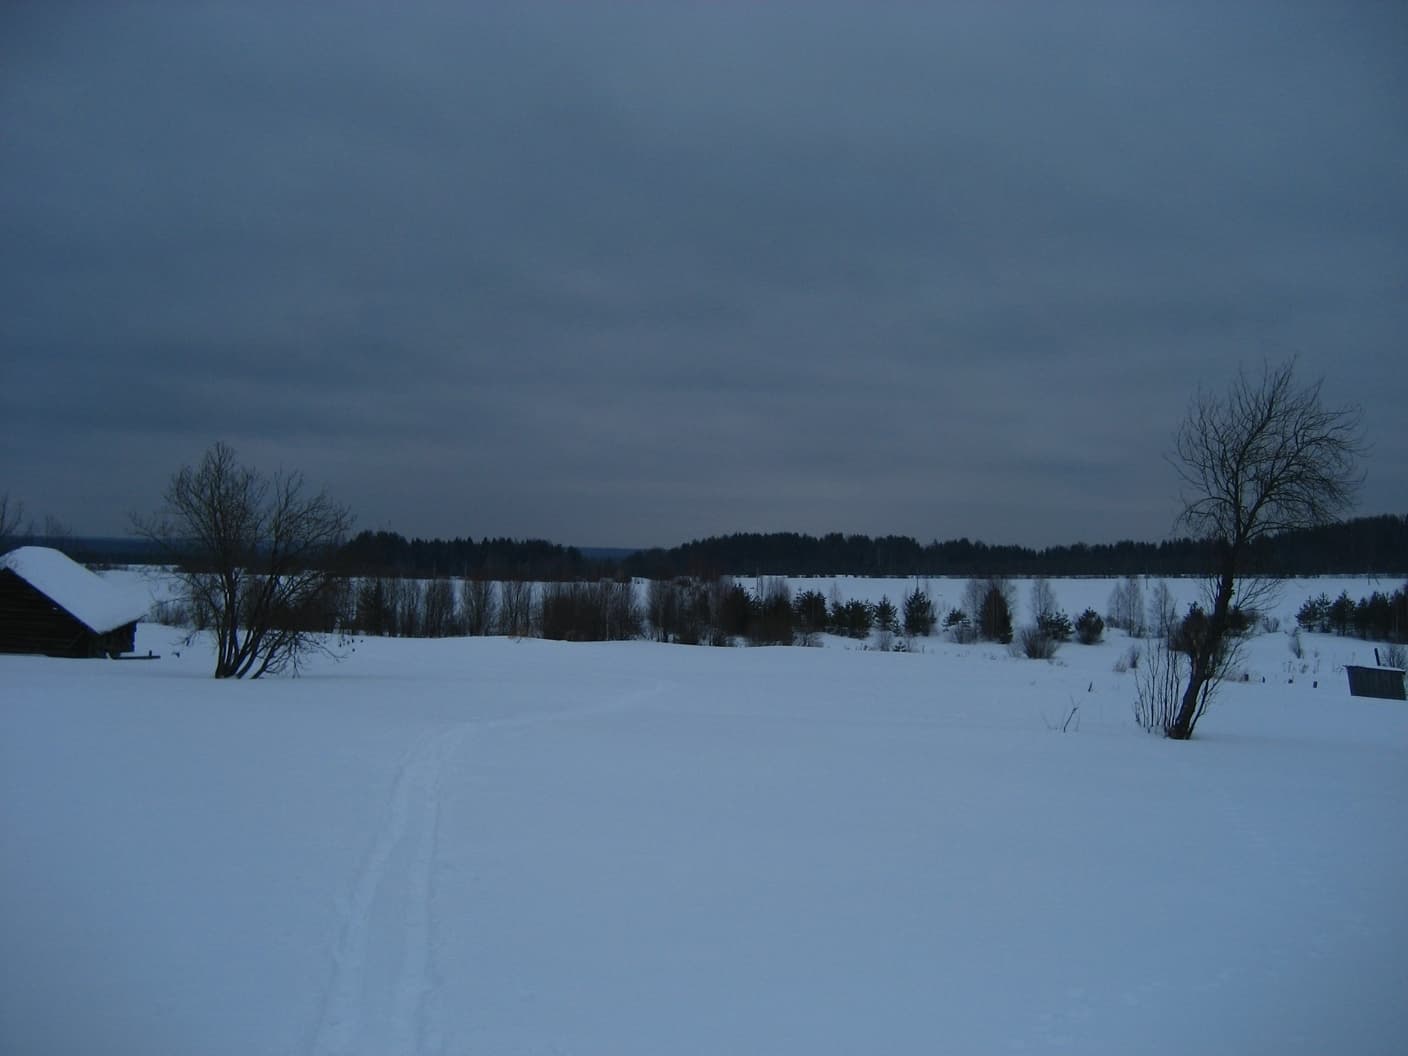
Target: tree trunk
1182,728
1207,652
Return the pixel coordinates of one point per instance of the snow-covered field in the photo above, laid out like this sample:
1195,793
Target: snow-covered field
518,847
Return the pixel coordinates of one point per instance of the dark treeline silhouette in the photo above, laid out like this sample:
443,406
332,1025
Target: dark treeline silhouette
387,553
383,554
1361,546
1354,547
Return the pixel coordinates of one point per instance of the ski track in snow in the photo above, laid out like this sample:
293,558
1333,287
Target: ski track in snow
411,820
356,1017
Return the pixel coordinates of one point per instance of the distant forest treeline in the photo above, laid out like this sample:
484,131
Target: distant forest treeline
1355,547
387,553
1360,546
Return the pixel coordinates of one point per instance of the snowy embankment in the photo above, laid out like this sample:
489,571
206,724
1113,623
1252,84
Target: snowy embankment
500,847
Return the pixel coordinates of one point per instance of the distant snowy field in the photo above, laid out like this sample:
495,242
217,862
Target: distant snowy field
522,847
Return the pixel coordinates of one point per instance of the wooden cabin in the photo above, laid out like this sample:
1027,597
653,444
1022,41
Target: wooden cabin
54,606
1386,683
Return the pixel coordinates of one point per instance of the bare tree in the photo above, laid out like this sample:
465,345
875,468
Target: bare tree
1267,457
406,609
1043,598
11,515
479,605
662,608
439,620
516,608
375,606
1163,610
253,551
1126,607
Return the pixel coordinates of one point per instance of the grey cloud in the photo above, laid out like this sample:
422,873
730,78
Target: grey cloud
628,275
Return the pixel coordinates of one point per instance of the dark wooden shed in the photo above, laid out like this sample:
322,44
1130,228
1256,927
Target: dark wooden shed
1383,682
54,606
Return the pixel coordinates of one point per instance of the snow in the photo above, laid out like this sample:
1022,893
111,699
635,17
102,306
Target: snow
505,847
95,602
1074,594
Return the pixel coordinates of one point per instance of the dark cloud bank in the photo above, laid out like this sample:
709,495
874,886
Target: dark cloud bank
632,274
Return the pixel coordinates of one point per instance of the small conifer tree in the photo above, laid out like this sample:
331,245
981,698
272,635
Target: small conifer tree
918,614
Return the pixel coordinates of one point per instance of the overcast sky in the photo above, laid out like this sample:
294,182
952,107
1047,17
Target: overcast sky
634,273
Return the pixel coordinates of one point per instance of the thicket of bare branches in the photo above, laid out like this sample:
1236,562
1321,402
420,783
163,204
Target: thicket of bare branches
1267,457
11,516
441,618
1035,643
479,605
1158,682
1043,598
1162,617
516,608
604,611
689,611
1125,609
252,552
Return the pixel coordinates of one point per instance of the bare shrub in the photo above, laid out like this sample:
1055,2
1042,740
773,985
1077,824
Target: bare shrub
181,612
1035,644
1128,661
1159,687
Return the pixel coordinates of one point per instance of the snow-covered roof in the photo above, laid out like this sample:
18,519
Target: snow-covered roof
84,595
